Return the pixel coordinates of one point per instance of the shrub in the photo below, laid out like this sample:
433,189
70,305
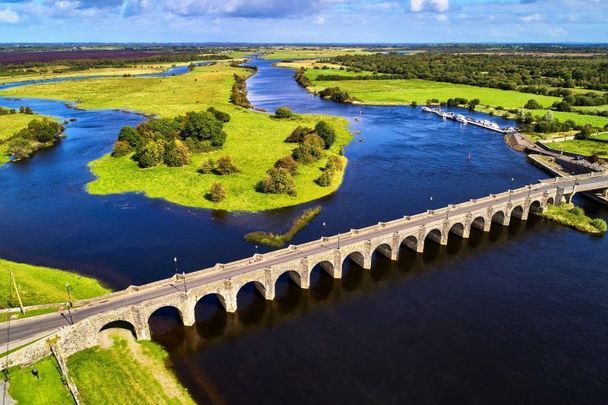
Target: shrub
203,126
599,224
44,130
335,163
326,132
151,154
283,112
277,181
20,148
216,193
288,163
219,115
298,134
206,167
224,166
121,148
176,154
310,150
585,132
336,94
533,105
131,136
325,179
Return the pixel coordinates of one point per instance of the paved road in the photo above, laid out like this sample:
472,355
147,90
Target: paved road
25,330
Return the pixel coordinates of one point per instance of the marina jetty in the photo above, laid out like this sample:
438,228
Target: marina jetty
492,126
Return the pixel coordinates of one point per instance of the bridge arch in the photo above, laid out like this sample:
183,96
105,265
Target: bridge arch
458,229
550,201
410,242
480,223
159,307
226,304
120,324
517,212
294,276
536,207
356,257
434,235
384,249
499,217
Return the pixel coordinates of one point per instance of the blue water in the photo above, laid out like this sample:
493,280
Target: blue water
519,315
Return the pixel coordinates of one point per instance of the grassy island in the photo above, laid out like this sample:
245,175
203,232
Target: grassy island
43,285
574,217
254,140
278,240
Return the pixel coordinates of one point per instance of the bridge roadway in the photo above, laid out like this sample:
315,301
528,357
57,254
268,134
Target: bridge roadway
29,329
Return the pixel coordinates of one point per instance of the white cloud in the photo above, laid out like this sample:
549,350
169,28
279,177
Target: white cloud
437,5
441,18
320,20
531,18
8,16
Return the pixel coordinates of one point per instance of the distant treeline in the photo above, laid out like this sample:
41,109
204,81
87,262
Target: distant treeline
92,62
501,71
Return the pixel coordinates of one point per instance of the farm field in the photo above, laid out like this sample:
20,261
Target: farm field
312,53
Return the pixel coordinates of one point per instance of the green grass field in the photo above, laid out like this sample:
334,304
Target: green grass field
311,53
255,140
602,136
126,373
43,285
408,91
582,147
25,388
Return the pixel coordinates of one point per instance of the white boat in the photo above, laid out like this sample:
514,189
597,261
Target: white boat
461,118
427,109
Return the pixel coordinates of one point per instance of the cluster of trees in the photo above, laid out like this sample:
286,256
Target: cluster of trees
222,167
337,95
172,140
460,101
6,111
238,96
301,78
26,110
333,166
502,71
545,124
312,145
38,134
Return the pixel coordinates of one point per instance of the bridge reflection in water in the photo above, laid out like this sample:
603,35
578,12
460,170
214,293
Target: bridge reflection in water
214,326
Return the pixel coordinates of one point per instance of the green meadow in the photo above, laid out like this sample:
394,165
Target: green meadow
44,285
312,53
255,139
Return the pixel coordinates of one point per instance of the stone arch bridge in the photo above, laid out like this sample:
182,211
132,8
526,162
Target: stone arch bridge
133,307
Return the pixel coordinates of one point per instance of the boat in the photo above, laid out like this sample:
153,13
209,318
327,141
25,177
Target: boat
461,118
427,109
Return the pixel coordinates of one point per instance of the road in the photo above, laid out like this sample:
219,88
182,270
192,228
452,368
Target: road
25,330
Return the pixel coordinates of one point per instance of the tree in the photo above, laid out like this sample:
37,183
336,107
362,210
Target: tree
203,126
326,132
219,115
131,136
562,106
176,154
277,181
216,193
288,163
225,166
151,154
206,167
533,105
121,148
20,148
283,112
325,179
585,132
298,134
310,150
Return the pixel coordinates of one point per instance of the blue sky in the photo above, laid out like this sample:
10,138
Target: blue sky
370,21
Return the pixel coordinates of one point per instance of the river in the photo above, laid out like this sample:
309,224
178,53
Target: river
517,315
